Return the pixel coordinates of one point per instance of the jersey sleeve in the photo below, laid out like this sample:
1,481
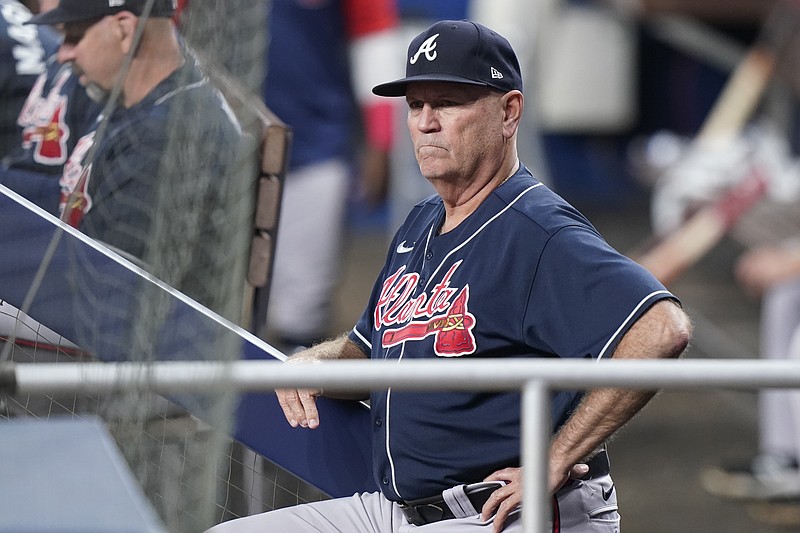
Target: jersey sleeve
362,332
584,310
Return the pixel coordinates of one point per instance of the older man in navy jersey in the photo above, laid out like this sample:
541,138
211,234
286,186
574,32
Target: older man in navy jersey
494,265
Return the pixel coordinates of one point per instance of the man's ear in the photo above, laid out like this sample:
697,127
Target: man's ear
513,104
126,27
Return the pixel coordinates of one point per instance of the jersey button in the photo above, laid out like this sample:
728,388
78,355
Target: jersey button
379,421
385,480
429,255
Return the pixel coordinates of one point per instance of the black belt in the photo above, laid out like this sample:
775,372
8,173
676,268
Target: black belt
598,466
433,509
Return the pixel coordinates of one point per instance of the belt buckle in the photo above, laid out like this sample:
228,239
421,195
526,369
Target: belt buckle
424,513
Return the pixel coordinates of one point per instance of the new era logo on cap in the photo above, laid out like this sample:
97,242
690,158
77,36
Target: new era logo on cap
458,51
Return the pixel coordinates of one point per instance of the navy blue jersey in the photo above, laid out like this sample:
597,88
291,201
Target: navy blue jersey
308,78
56,114
123,187
525,275
308,71
23,52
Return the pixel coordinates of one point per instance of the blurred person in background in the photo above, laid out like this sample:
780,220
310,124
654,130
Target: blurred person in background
770,272
55,114
41,119
111,188
323,58
23,55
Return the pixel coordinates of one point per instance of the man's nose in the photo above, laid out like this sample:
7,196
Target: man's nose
427,120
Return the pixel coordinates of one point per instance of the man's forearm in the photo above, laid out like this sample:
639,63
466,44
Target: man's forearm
662,332
601,414
337,349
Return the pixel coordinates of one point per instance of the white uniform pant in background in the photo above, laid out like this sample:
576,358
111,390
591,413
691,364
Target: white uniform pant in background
779,410
583,507
308,251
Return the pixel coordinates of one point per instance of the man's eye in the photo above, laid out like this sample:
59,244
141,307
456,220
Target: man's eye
71,38
414,105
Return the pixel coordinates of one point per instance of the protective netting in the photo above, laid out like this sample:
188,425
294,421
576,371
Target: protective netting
196,237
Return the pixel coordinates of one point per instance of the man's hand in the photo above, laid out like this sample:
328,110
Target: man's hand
764,267
300,405
507,498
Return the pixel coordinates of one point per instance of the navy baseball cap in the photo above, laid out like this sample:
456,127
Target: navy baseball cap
77,10
458,51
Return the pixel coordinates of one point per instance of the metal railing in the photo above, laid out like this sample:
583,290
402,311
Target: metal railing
534,378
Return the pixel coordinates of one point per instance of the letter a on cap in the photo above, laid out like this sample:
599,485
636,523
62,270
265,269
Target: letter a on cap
428,47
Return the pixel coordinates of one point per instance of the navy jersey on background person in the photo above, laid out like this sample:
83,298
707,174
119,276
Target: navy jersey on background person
143,169
56,115
125,170
449,296
23,52
311,94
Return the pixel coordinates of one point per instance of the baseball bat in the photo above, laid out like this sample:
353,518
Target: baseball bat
674,254
671,256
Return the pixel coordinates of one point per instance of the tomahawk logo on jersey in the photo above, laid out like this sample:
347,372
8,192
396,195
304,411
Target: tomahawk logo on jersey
43,120
56,113
441,314
74,183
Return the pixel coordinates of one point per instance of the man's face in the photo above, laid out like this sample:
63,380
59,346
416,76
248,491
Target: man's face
94,48
456,129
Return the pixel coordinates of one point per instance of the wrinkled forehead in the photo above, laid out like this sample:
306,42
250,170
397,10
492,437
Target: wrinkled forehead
446,89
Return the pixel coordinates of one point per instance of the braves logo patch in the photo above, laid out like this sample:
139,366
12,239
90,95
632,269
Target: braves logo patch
443,314
75,200
428,47
43,122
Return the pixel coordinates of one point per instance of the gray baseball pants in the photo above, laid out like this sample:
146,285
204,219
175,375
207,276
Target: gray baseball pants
582,507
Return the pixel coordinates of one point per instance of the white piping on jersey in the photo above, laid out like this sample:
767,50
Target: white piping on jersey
386,425
386,414
386,422
457,248
226,108
177,90
628,319
363,339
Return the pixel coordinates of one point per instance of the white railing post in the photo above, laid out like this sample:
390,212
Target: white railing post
536,425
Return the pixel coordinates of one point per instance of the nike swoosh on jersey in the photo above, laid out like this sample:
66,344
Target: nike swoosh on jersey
607,494
402,248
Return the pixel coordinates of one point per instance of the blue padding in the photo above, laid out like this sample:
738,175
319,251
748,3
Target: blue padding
88,289
67,475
